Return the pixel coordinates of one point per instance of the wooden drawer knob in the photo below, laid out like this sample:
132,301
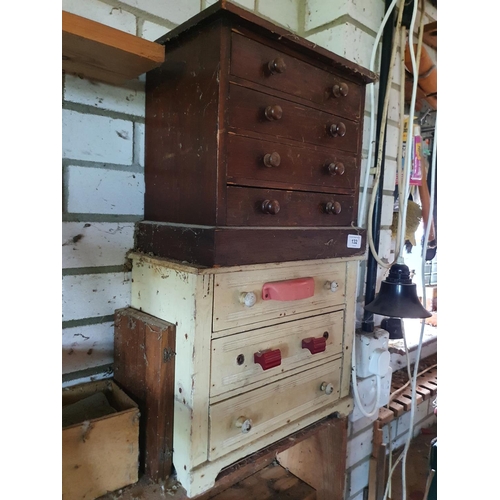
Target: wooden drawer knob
327,388
277,65
245,424
336,169
333,207
340,90
314,344
270,207
273,112
272,160
268,359
337,129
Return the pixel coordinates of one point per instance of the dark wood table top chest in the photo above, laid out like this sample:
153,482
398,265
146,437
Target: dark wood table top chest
253,145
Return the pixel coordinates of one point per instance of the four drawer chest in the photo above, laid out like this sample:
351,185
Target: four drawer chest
249,244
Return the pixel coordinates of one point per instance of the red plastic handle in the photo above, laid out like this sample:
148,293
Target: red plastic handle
268,359
314,344
296,289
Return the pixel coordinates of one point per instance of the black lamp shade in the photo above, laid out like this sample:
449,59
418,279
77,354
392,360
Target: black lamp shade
397,297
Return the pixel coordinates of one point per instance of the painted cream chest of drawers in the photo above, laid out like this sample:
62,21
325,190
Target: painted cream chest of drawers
261,351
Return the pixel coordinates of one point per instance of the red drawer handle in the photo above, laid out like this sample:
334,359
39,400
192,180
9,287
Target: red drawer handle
314,344
268,359
296,289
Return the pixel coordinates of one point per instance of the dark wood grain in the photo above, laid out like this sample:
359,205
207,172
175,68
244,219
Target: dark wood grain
249,60
300,168
210,246
296,208
144,367
182,110
298,122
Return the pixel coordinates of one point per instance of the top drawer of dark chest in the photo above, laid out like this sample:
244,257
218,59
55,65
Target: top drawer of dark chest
281,71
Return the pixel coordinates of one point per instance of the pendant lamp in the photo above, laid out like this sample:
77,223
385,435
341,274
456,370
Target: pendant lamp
397,297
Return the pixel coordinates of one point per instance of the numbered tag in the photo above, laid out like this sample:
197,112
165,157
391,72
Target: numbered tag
353,241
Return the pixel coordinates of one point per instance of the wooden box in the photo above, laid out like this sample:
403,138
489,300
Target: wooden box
99,454
144,364
252,145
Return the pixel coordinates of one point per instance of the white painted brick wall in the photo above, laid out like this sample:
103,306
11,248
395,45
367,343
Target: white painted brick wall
347,41
139,129
367,12
358,478
152,31
87,346
171,10
102,191
359,447
93,295
282,12
96,138
98,243
102,96
102,13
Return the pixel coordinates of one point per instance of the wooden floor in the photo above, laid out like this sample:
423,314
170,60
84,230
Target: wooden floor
271,483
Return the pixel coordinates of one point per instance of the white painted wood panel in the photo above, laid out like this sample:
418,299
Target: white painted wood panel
228,374
229,311
95,244
92,295
271,407
184,299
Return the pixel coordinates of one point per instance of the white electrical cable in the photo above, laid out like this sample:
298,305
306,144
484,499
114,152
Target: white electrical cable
372,113
417,361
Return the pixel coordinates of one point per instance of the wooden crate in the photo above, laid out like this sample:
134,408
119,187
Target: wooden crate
99,454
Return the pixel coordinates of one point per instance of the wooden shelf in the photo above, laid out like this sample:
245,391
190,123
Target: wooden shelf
98,52
430,35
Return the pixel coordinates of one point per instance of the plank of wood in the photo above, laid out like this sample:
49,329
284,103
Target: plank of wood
320,460
144,353
99,52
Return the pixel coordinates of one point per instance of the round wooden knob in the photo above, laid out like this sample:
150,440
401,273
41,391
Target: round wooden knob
273,112
328,388
277,65
337,129
336,169
340,90
333,207
272,160
270,207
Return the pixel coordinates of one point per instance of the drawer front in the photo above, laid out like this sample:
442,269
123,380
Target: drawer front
259,162
233,357
277,70
240,420
273,207
230,310
265,114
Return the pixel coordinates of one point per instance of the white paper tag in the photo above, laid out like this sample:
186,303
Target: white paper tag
353,241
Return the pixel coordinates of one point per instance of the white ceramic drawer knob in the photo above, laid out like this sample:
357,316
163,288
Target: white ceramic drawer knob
248,298
328,388
244,423
332,286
